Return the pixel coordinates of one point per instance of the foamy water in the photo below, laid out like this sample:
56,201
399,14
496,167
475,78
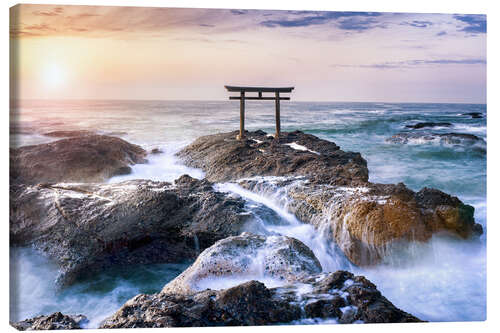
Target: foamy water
442,280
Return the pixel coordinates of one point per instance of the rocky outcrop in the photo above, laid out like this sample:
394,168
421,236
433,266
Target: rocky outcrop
340,296
330,190
428,124
55,321
224,158
87,158
90,227
273,257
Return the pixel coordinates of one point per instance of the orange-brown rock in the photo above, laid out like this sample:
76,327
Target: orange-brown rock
368,223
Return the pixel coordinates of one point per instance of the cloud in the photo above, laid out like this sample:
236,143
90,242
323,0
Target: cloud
417,24
357,24
40,27
441,33
54,12
474,23
418,62
96,21
315,18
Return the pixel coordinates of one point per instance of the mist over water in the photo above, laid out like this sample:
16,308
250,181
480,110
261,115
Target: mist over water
442,280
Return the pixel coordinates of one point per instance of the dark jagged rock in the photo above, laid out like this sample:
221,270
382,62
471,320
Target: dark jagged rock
55,321
331,187
224,158
428,124
252,303
90,227
90,158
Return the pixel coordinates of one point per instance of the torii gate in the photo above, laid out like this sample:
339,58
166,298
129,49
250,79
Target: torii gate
259,90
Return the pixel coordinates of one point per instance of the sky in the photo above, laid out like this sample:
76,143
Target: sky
92,52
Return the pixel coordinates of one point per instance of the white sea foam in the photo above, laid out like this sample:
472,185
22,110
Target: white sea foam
296,146
162,167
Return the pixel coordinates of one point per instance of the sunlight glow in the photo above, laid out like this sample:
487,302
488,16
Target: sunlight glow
54,75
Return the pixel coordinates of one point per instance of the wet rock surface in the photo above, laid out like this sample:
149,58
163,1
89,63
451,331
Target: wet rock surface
90,227
87,158
224,158
366,220
340,295
55,321
273,257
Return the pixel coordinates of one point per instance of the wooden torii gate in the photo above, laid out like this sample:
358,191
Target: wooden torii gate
259,90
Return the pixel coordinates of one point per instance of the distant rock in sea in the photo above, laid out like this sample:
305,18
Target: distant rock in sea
366,220
461,139
69,134
474,115
88,158
428,124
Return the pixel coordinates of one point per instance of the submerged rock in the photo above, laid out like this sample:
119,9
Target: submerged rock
156,151
274,257
55,321
223,158
332,192
90,227
88,158
327,296
428,124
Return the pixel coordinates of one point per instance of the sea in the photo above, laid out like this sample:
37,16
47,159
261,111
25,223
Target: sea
441,280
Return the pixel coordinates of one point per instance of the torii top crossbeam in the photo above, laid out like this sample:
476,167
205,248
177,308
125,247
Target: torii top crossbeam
259,91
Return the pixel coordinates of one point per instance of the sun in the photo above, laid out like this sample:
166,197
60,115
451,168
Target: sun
54,75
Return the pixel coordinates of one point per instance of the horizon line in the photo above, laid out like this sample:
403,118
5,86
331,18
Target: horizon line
225,100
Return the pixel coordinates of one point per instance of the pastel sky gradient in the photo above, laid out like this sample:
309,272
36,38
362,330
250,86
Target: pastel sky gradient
90,52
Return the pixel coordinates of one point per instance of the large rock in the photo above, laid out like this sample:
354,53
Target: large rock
339,296
273,257
329,188
369,222
85,158
89,227
224,158
55,321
